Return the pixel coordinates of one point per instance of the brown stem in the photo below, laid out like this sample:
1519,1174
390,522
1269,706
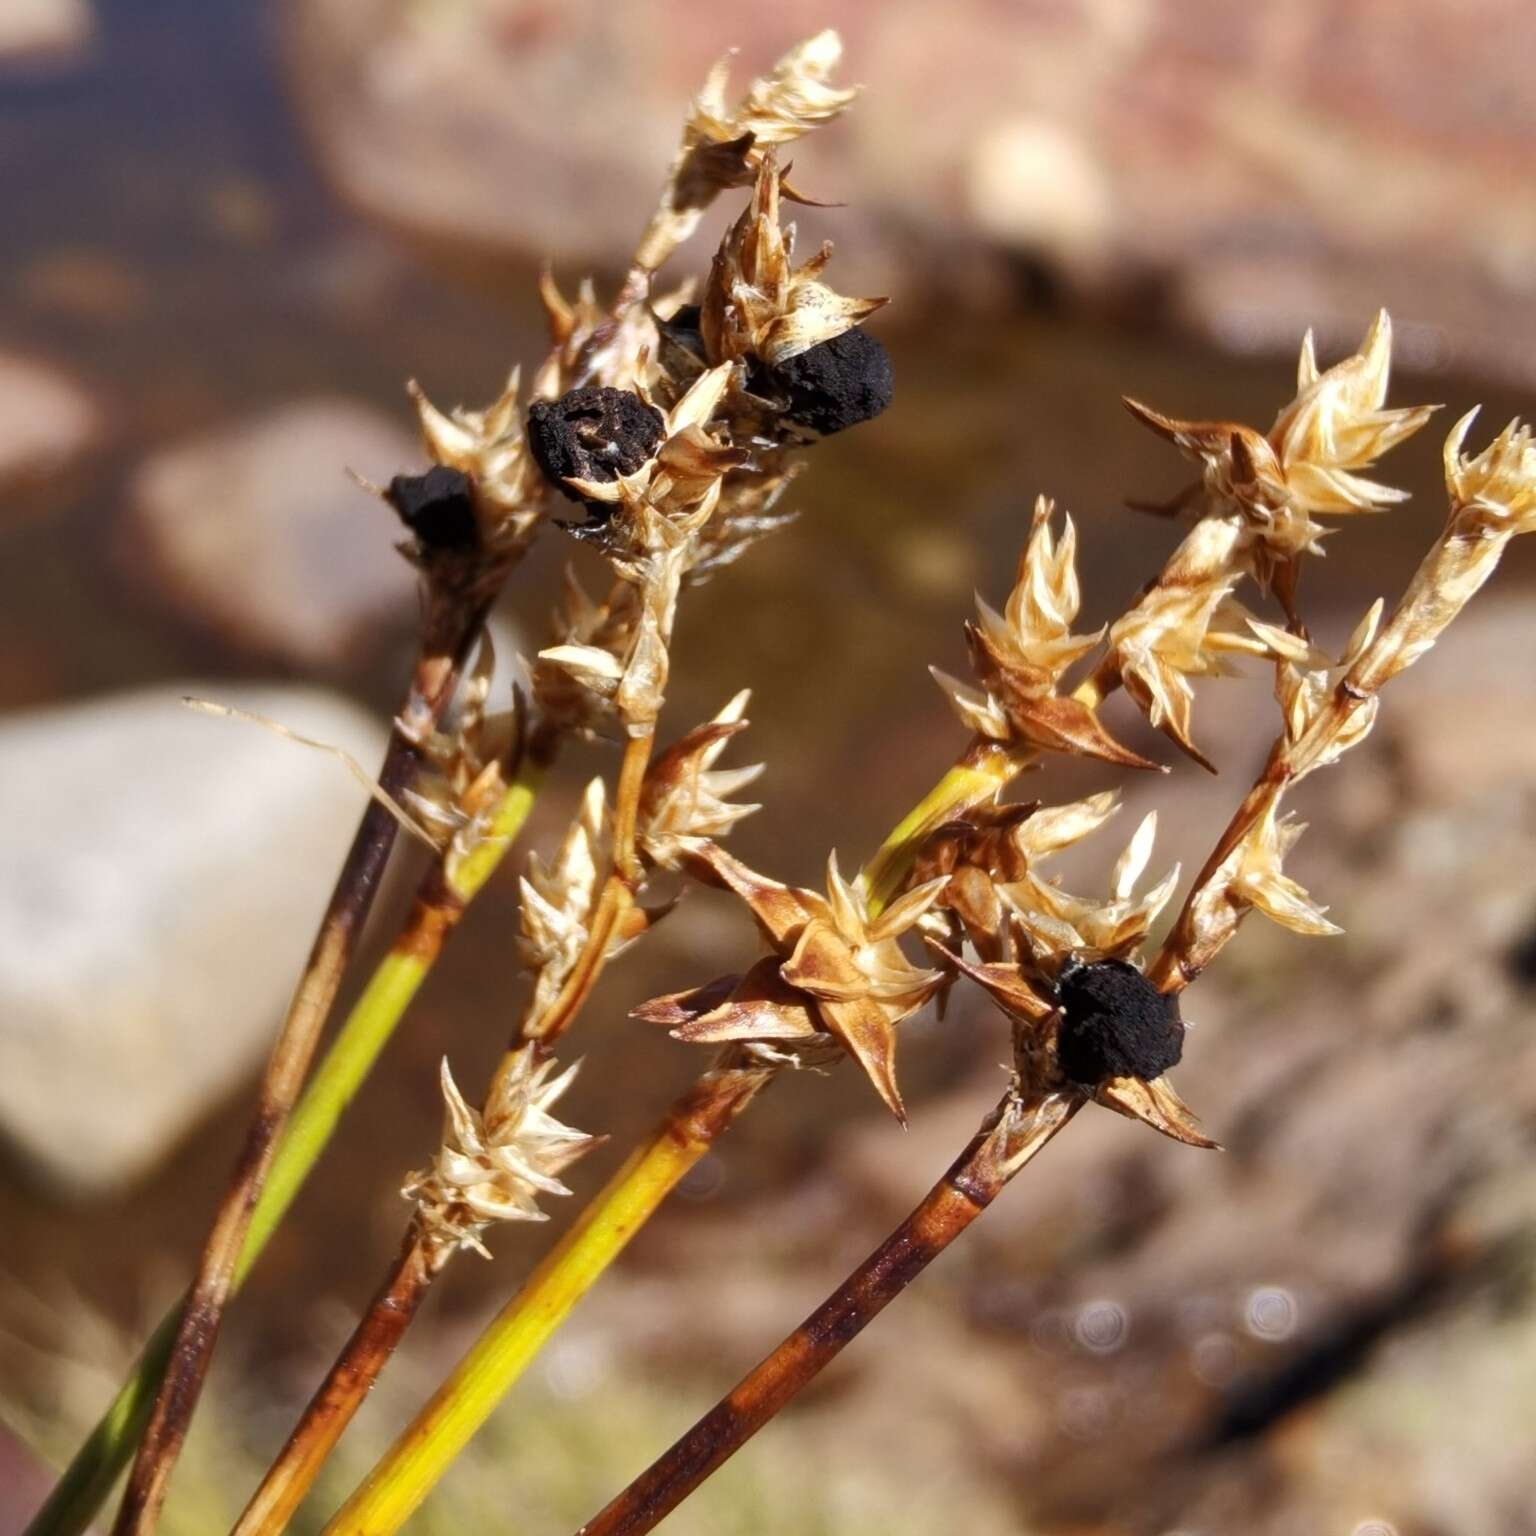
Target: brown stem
449,631
626,805
341,1394
996,1153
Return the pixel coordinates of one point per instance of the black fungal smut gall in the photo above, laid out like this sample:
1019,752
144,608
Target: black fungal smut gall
438,507
1115,1023
593,433
837,384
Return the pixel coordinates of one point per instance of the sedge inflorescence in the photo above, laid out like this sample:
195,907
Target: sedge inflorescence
677,420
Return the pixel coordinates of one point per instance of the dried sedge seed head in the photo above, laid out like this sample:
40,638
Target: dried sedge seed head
796,96
438,507
1501,480
836,974
1019,657
489,449
496,1161
1308,464
838,383
1115,1023
757,304
593,433
685,799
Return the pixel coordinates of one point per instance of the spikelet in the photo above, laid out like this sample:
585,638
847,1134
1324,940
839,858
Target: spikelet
558,901
489,447
495,1162
685,799
1308,464
722,144
757,303
835,974
1020,655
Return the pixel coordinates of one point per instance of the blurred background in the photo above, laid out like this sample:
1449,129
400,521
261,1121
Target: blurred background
231,233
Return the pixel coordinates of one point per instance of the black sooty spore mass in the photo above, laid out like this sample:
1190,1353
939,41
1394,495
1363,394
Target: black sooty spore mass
1115,1023
839,383
438,507
592,433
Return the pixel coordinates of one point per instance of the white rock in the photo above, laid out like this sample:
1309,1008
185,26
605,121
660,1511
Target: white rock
45,29
45,420
163,875
1033,185
257,531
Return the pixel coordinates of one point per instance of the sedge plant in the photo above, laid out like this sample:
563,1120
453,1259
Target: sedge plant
672,424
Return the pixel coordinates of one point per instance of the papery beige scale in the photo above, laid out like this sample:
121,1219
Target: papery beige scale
495,1162
576,679
757,302
685,800
1499,482
991,846
1020,655
558,901
1178,632
595,345
835,974
1056,924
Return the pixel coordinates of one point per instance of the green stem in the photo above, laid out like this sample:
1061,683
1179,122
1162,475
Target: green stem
87,1481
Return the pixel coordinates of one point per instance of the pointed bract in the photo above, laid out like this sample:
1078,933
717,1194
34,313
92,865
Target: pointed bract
495,1162
835,972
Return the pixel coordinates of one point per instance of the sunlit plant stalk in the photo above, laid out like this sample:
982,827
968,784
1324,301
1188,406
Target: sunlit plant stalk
1186,623
1326,712
201,1313
658,509
88,1479
470,518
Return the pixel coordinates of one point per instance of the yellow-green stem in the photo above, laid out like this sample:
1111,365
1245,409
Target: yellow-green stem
446,1424
427,1447
87,1481
979,775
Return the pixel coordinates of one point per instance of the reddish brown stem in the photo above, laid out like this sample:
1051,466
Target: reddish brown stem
341,1394
949,1208
450,631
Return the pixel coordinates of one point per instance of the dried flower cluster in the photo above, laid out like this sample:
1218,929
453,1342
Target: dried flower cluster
495,1162
836,977
674,423
676,445
1093,1018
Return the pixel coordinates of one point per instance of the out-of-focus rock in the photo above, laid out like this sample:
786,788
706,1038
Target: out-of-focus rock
46,423
256,531
44,31
1273,167
163,874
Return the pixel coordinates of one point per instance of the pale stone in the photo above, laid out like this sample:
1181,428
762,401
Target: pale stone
164,872
1271,167
257,531
46,421
45,29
